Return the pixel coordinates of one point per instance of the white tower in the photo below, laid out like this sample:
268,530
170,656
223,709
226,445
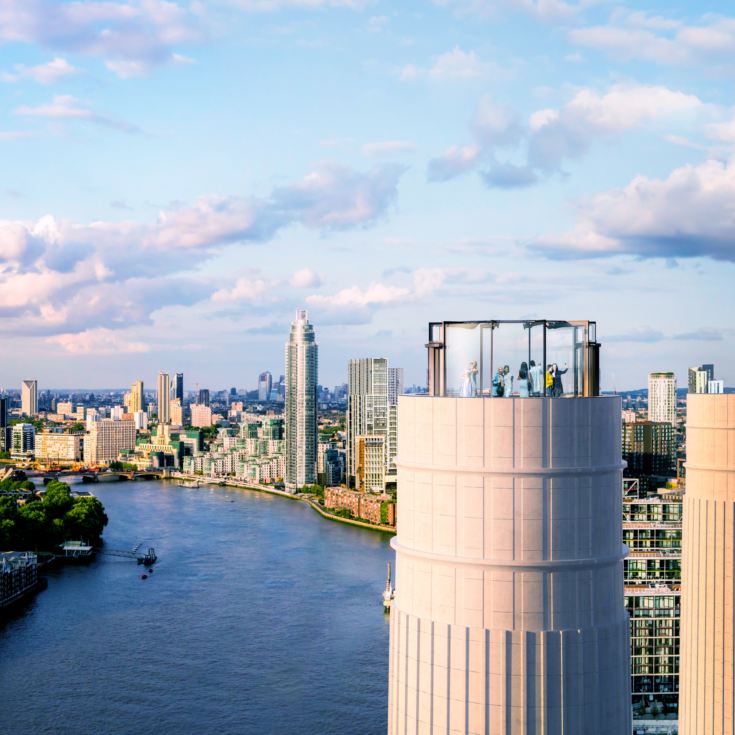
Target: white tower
508,614
707,670
301,416
662,397
164,398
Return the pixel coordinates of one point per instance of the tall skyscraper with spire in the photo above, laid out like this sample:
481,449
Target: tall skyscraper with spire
301,419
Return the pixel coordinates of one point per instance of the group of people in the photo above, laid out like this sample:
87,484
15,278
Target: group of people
531,380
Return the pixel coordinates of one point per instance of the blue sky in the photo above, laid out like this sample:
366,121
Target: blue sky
177,178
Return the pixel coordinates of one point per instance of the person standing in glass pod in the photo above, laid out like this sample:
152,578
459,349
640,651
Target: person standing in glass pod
497,388
522,381
558,387
507,382
549,378
468,388
534,377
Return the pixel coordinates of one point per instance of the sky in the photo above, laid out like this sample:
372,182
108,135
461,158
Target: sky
177,178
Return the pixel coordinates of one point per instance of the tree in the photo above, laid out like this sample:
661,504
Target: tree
57,499
85,520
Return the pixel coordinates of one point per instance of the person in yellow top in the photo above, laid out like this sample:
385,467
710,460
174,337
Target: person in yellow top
549,379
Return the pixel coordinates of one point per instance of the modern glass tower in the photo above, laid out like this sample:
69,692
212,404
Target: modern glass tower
508,614
164,398
301,419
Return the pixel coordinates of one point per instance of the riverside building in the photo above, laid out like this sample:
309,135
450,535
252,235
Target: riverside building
302,364
58,448
508,614
106,439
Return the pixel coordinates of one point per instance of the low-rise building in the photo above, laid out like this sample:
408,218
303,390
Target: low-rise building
378,509
57,448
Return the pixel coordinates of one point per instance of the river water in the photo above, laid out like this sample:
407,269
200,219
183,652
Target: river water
260,617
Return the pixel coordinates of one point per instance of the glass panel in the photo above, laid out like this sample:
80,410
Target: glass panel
511,356
536,367
463,359
486,374
562,377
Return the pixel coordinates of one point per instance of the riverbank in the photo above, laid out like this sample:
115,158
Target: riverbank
231,482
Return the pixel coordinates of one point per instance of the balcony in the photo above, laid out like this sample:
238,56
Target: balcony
513,358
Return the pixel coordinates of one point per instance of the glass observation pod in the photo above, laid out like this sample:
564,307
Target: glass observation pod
514,358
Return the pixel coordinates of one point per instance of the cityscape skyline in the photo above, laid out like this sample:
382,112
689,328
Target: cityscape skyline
452,158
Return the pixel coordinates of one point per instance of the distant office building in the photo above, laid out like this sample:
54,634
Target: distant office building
203,397
4,431
93,415
707,690
652,572
29,398
265,385
116,413
177,412
141,420
367,415
164,398
201,415
137,399
302,365
178,388
649,448
107,438
23,441
65,408
395,385
716,386
662,397
58,448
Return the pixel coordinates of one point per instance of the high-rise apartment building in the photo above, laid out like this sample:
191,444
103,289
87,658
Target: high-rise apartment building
649,448
716,386
106,439
203,397
508,614
29,398
652,571
265,385
370,463
137,400
164,398
707,683
302,366
367,416
662,397
23,441
395,385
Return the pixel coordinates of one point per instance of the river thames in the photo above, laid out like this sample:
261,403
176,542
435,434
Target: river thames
260,617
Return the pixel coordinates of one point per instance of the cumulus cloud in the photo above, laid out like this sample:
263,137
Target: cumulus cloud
97,342
640,35
66,107
47,73
271,5
305,278
132,36
689,214
546,10
552,136
454,65
59,276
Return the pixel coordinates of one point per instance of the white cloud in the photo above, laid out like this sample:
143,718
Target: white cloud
133,36
689,214
305,278
97,342
47,73
638,35
454,65
245,289
555,135
273,5
66,107
546,10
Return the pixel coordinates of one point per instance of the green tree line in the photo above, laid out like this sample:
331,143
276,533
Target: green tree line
41,524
